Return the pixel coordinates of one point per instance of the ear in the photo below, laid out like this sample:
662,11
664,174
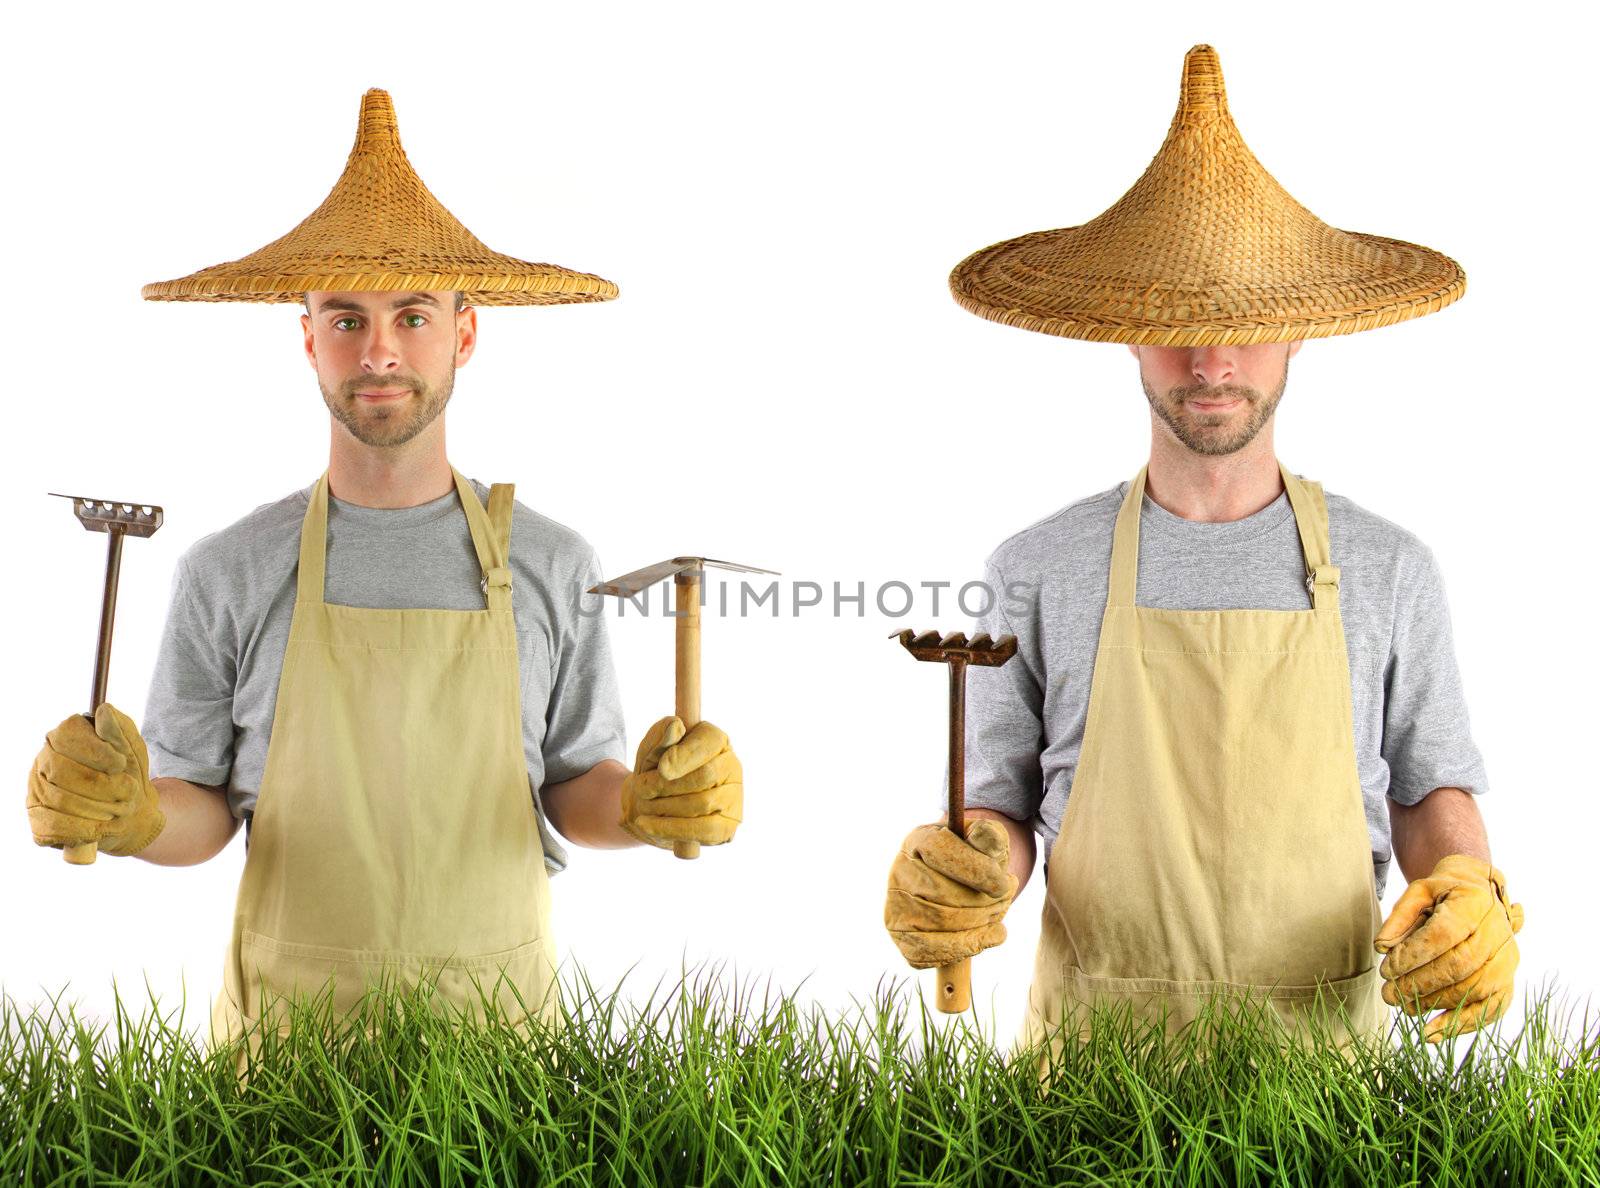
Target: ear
466,333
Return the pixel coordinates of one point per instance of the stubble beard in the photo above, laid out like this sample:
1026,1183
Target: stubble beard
387,425
1201,431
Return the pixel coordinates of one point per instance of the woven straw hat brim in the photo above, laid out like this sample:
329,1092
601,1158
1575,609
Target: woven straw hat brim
1205,248
381,230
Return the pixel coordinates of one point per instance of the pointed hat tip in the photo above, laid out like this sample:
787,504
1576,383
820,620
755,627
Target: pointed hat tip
1201,92
376,128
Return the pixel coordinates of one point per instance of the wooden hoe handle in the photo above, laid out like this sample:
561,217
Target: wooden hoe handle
687,678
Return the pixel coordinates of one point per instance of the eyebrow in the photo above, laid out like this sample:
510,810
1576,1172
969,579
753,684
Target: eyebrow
398,303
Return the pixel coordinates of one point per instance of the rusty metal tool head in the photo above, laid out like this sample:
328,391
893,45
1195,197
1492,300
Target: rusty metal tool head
686,573
953,992
117,519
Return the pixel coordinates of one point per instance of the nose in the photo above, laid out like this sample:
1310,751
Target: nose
1213,365
378,352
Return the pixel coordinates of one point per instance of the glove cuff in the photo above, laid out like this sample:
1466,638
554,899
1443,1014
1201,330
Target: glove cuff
140,841
634,831
1465,866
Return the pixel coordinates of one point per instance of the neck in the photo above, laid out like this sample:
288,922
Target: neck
389,476
1213,489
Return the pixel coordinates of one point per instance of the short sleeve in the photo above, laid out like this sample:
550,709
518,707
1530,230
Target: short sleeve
1427,739
188,714
1005,715
583,718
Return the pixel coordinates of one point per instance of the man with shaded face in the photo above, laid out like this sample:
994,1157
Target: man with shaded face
1234,700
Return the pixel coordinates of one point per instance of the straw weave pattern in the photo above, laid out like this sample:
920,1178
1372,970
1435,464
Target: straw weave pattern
380,229
1206,247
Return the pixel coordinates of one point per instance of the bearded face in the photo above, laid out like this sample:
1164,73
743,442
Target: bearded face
1214,399
386,363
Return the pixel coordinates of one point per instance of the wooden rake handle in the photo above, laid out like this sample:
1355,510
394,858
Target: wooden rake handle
686,681
84,853
953,993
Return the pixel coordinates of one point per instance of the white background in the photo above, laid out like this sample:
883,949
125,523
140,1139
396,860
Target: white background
784,381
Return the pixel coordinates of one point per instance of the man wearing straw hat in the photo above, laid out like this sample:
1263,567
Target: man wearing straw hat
389,674
1234,696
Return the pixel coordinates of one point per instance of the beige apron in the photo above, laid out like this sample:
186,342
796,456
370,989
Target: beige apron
1215,839
394,835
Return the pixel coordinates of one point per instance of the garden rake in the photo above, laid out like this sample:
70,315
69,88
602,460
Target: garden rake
116,520
953,992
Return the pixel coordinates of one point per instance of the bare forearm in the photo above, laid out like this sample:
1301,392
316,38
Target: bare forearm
1023,849
1444,822
587,809
198,824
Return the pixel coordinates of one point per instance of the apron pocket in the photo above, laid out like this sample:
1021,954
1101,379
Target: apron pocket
1356,997
277,969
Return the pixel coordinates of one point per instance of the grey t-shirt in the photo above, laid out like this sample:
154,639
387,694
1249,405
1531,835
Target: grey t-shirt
208,717
1025,719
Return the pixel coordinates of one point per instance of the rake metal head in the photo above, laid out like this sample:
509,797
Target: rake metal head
956,646
107,515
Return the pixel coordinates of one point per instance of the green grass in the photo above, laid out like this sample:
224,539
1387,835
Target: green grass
712,1081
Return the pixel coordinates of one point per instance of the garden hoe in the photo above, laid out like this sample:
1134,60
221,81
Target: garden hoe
116,520
954,990
686,573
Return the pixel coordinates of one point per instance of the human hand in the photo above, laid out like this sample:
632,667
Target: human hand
91,783
1448,944
684,787
947,896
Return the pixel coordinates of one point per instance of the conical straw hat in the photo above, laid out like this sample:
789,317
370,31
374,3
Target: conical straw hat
381,230
1205,248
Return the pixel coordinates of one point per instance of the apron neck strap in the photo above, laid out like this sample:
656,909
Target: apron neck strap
1310,516
491,540
314,546
1125,544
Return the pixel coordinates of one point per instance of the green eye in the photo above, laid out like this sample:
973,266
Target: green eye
339,323
415,320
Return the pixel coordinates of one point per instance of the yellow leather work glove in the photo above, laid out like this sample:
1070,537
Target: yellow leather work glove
1449,943
947,896
93,784
684,787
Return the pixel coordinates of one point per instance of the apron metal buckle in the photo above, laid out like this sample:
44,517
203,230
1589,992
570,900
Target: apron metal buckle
1327,575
